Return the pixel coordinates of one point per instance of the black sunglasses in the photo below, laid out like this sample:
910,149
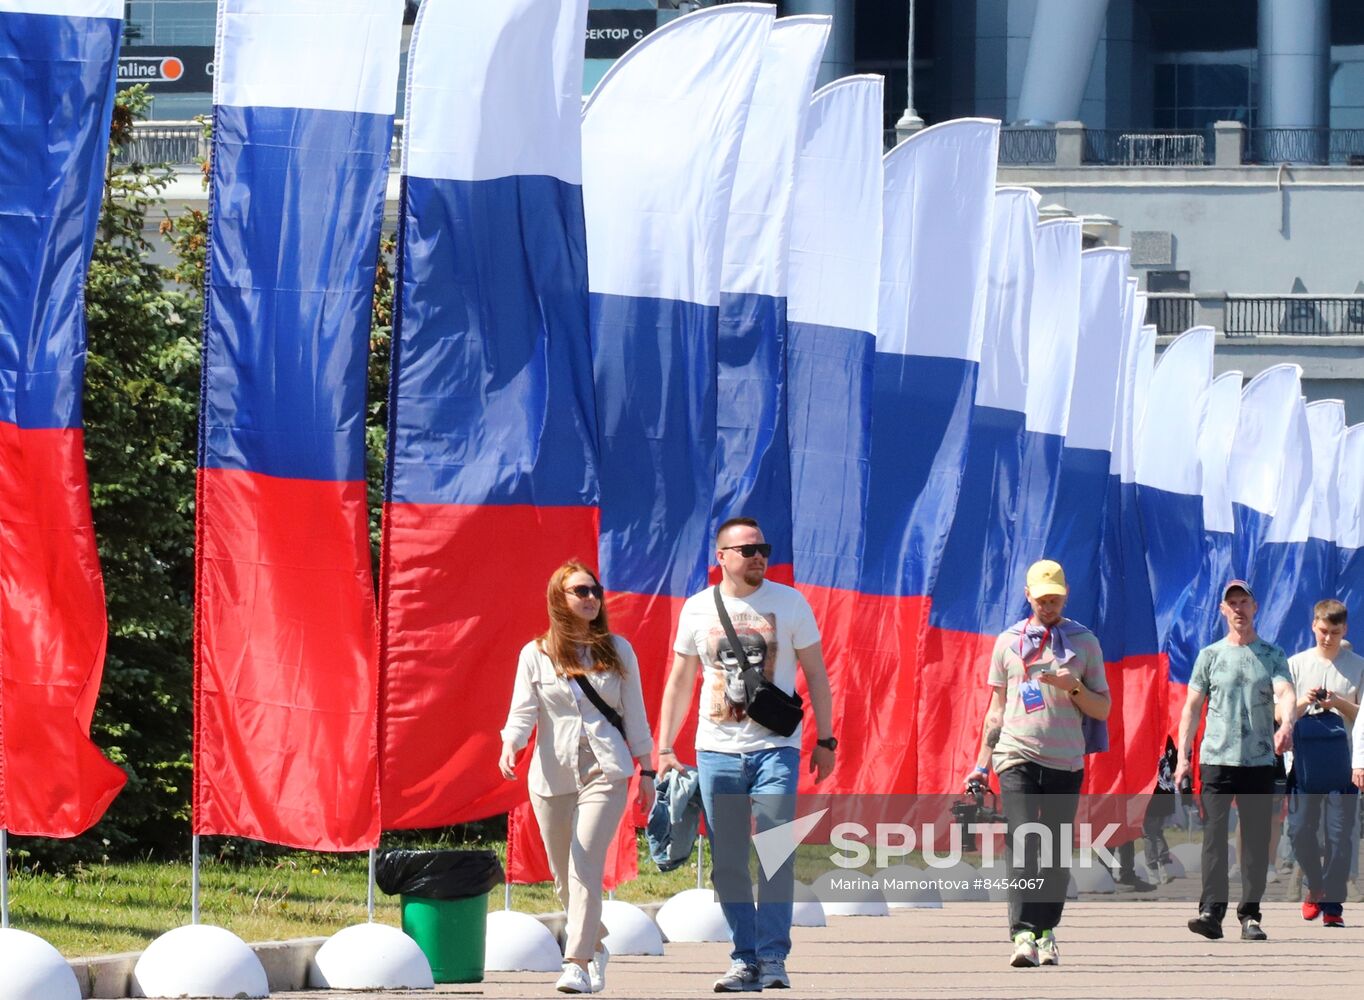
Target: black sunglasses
583,591
750,550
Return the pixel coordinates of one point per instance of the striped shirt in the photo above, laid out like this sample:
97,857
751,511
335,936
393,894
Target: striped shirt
1052,736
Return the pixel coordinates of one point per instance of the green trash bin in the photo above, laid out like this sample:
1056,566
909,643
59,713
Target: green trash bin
451,934
444,896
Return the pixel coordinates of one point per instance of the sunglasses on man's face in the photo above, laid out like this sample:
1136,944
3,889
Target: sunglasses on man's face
752,549
582,591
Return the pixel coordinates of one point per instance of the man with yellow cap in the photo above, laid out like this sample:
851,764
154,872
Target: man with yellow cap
1046,678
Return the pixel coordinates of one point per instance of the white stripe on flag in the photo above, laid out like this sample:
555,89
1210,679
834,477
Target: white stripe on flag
277,55
661,137
501,79
836,211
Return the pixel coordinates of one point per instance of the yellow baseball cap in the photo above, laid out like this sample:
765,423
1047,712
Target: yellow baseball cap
1045,578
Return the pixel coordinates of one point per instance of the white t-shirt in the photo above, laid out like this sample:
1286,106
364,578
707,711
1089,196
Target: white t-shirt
772,623
1342,676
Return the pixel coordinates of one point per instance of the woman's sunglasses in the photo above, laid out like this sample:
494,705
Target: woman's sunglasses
752,549
582,591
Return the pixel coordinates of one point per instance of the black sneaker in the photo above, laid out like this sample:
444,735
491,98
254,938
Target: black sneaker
1131,882
1252,931
1207,925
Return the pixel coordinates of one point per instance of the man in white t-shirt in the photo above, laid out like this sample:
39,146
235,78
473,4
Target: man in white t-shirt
1326,678
737,758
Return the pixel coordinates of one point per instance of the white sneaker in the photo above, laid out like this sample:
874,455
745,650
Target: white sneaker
574,979
1048,951
1025,950
596,969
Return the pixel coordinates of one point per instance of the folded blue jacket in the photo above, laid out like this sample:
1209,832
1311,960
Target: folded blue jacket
674,819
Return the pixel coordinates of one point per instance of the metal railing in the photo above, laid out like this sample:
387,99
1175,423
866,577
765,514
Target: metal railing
1020,145
1171,312
1294,315
1320,146
1126,148
180,144
174,143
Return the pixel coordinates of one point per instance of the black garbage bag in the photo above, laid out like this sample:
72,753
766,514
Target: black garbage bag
438,874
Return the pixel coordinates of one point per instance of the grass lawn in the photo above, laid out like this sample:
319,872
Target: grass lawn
107,908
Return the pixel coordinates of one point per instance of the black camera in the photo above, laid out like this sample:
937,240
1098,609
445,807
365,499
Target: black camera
973,808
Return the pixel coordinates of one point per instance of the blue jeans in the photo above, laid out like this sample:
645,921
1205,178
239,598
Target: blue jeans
729,781
1322,829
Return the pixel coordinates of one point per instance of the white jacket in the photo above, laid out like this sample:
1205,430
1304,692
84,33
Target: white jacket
545,702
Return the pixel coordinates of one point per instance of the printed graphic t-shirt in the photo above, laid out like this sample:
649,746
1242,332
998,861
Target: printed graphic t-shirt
771,623
1239,684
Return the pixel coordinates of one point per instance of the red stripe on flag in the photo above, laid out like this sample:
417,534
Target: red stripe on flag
463,589
54,782
285,668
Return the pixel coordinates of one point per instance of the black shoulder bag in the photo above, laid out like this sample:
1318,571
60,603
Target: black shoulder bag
612,716
768,705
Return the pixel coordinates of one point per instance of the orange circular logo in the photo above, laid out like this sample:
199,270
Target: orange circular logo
172,68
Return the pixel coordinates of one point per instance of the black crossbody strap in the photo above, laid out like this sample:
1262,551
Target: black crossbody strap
612,716
730,634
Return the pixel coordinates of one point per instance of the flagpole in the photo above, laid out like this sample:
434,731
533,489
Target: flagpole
370,901
4,879
194,880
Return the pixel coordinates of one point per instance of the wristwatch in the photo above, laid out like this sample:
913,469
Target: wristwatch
1076,690
830,744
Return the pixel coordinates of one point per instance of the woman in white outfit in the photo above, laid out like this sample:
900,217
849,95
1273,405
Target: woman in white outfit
584,757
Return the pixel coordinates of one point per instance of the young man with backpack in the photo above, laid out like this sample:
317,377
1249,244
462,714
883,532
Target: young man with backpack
1322,799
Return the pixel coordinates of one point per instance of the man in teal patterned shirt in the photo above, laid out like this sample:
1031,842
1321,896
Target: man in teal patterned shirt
1243,679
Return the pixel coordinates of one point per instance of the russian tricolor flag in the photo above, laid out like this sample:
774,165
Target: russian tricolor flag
972,599
492,479
286,690
753,458
661,139
1173,488
57,71
1270,475
1350,521
938,211
835,266
1317,574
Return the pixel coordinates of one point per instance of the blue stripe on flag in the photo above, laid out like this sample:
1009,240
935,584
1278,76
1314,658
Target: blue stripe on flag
494,367
920,411
289,303
753,476
830,386
654,361
1077,526
974,590
42,312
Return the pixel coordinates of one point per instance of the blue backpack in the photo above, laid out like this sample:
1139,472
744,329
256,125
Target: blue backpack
1321,754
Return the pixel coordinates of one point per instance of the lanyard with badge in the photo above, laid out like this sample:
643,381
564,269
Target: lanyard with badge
1030,689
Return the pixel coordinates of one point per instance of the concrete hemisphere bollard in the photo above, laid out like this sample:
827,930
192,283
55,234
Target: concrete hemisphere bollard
33,968
845,893
909,888
960,883
517,942
806,909
1190,857
629,930
370,957
1093,878
693,915
199,960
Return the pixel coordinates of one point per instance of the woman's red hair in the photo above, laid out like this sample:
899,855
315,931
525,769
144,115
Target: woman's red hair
569,637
